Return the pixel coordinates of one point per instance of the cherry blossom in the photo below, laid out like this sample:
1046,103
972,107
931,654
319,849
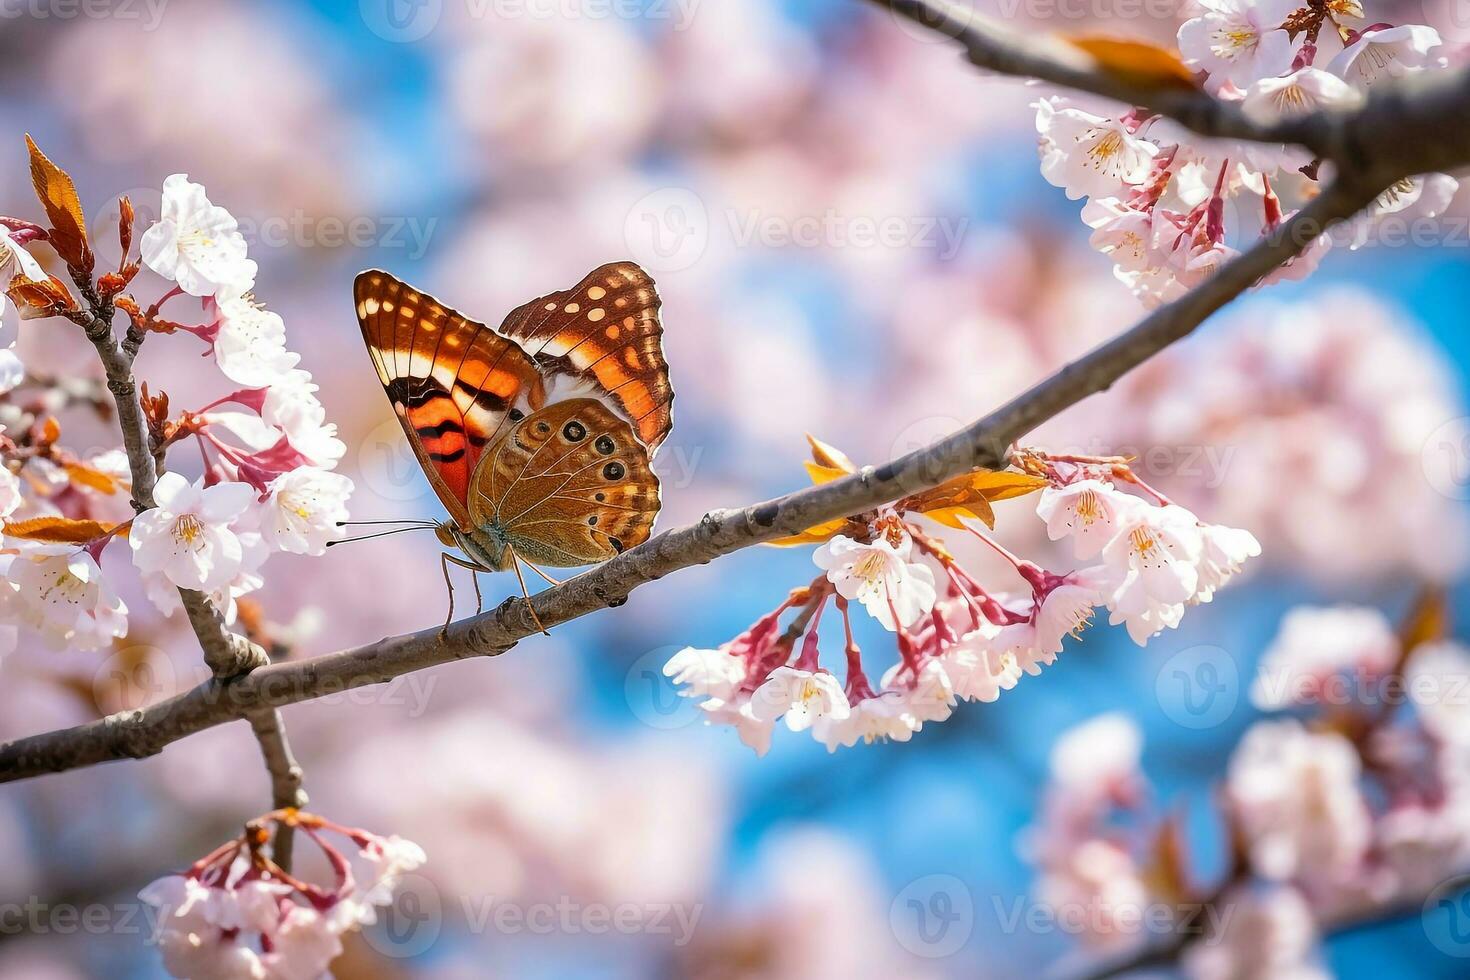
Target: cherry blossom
59,590
800,697
1304,90
880,576
12,371
1086,154
1295,793
878,718
1154,564
187,538
927,694
304,510
1405,202
10,497
1089,510
15,260
1271,932
754,730
706,673
1224,553
977,670
250,347
1313,645
1239,41
1386,52
236,913
1095,758
197,244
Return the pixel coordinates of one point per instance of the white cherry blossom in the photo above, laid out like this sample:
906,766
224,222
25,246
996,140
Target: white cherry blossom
187,537
10,497
977,670
1314,644
1093,758
800,697
12,370
250,347
1394,215
1388,52
880,576
1270,933
1089,155
1145,616
883,717
304,510
1304,90
1224,551
1438,679
929,696
1091,511
1120,232
15,260
197,244
1296,796
754,731
706,673
1157,550
1239,41
59,591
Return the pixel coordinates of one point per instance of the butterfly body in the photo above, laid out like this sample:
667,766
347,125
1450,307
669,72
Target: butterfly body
538,437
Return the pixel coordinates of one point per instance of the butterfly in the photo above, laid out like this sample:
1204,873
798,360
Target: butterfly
539,436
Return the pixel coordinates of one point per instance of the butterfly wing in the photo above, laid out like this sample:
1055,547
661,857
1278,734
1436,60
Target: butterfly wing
604,335
455,384
570,484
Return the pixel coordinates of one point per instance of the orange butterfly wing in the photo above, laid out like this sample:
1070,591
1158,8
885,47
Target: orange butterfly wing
605,332
569,485
455,384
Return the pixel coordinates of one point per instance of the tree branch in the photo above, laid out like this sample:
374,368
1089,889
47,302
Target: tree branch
985,443
1419,124
1167,952
286,777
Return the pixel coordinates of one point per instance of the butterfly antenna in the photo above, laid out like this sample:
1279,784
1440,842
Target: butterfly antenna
515,563
402,520
380,534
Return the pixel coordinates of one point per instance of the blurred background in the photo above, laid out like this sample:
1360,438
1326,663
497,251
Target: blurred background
851,238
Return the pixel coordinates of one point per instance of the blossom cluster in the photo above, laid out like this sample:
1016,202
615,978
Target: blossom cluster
1169,207
236,913
1344,392
1151,558
267,450
1352,798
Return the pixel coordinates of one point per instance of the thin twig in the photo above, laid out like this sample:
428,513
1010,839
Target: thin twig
286,777
225,652
985,443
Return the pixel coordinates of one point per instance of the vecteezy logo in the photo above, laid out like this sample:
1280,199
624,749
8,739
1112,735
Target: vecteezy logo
1198,687
1446,917
1446,459
411,923
401,21
387,464
667,230
653,698
933,916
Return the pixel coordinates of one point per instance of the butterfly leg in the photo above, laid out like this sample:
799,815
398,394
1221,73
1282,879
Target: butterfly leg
548,578
516,564
444,559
